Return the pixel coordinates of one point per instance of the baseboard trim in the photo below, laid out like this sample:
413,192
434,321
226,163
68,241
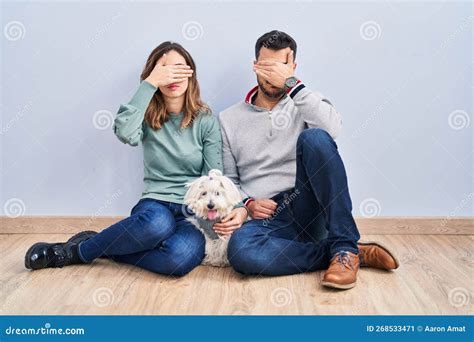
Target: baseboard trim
374,226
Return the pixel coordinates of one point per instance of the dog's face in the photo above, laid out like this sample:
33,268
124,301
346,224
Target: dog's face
212,197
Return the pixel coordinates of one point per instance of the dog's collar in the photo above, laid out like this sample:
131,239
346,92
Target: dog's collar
206,226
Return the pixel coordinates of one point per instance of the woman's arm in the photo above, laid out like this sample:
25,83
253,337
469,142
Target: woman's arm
212,144
128,123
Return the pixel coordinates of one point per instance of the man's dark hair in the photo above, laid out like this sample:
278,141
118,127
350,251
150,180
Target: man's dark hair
275,40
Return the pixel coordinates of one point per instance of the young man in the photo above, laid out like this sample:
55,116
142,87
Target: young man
278,148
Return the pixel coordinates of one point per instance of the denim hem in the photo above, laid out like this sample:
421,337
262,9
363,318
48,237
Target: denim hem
338,249
80,254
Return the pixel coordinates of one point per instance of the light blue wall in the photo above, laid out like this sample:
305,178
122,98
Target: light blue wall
396,71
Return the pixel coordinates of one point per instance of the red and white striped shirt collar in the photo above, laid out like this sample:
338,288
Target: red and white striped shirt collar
250,97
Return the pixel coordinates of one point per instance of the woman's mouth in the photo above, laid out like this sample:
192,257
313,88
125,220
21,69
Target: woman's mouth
173,86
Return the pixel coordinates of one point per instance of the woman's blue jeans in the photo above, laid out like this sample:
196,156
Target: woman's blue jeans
156,237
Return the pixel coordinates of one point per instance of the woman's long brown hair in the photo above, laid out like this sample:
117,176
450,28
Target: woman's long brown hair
156,113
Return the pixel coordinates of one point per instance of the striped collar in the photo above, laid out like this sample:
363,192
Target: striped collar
252,94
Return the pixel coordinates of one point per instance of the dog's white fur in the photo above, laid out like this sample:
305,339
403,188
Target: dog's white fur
222,192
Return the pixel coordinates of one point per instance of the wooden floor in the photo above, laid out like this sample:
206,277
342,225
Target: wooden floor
435,277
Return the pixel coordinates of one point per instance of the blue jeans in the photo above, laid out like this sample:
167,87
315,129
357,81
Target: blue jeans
313,221
156,237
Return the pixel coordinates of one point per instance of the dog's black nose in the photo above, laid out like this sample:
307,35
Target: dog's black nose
210,205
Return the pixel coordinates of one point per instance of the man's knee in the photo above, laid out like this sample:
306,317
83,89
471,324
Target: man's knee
243,253
315,138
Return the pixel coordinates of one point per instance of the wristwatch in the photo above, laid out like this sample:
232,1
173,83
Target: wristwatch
290,82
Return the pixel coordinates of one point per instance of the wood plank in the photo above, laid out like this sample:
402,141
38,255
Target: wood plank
435,278
375,225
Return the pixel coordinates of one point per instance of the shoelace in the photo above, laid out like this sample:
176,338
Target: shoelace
344,259
60,256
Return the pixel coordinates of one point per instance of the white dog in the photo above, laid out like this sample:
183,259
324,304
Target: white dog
211,198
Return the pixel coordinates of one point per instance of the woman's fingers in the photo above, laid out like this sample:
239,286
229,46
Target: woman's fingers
181,75
180,66
178,79
225,225
228,217
182,71
227,230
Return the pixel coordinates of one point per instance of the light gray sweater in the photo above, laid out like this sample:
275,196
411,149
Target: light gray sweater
259,146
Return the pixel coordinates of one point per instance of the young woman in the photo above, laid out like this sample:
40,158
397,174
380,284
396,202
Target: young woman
181,141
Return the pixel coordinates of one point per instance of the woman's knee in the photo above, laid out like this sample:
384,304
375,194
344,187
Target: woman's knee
155,225
184,253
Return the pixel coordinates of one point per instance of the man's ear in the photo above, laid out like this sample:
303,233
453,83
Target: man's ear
294,66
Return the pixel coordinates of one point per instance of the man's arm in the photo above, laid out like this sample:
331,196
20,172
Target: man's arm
317,111
230,166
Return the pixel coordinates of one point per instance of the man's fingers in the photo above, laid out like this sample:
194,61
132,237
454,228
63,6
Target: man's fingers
264,210
266,63
269,204
261,215
268,68
262,73
290,57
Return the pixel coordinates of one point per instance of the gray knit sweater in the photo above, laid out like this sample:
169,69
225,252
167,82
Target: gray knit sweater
259,146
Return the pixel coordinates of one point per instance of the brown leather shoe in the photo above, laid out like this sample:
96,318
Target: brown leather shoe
373,254
342,271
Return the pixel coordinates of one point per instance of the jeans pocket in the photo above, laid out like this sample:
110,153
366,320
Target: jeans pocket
140,202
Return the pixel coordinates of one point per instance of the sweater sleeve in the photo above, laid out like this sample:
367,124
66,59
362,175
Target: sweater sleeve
212,144
317,111
230,166
128,124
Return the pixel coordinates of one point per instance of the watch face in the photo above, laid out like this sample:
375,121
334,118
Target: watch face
291,82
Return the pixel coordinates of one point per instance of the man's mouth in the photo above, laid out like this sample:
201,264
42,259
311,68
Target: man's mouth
211,214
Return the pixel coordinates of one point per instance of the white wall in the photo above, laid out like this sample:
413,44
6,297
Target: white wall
396,72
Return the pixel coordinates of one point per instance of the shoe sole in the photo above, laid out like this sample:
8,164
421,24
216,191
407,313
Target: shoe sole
338,286
372,243
28,252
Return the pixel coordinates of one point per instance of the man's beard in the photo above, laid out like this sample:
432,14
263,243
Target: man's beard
276,94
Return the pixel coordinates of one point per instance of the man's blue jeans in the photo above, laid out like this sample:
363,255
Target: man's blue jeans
156,237
312,222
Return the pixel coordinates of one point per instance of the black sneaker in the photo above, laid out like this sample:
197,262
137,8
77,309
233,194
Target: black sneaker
49,255
82,236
